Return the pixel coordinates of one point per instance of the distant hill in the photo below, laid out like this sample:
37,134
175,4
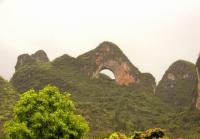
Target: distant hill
131,101
178,86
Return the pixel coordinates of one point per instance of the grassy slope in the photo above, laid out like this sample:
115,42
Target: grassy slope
107,106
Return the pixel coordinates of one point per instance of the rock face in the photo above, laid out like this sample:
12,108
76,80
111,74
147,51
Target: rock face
198,73
24,59
108,56
40,56
178,86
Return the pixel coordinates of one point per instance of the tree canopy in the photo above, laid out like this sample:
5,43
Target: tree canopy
47,114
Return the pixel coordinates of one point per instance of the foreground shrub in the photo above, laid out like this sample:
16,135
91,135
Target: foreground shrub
46,114
117,135
155,133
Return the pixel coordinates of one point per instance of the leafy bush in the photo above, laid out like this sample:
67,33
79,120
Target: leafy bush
46,114
116,135
154,133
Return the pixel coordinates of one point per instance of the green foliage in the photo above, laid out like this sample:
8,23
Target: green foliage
154,133
8,96
116,135
46,114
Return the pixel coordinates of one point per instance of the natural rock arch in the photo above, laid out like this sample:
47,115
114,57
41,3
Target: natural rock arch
108,73
120,70
109,56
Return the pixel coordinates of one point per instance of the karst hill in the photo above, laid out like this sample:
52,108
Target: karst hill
131,101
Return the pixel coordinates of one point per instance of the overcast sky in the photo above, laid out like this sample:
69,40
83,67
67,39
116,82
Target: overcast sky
152,33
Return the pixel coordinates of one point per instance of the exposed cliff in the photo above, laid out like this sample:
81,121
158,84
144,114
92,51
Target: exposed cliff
24,59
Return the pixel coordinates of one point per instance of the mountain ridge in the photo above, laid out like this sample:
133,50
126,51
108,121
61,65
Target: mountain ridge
113,105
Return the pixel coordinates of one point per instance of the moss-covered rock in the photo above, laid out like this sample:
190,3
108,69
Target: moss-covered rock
26,59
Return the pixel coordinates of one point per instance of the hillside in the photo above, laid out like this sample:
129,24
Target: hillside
178,86
125,104
8,96
198,73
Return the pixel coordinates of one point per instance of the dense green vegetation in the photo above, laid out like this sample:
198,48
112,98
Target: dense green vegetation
8,96
46,114
105,105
